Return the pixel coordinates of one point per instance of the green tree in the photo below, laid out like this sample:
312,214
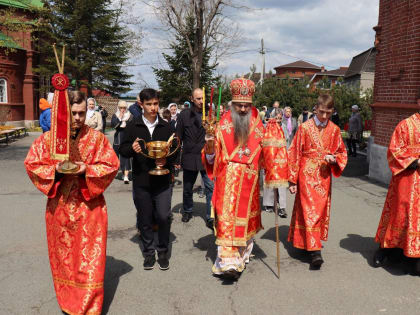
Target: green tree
98,45
176,81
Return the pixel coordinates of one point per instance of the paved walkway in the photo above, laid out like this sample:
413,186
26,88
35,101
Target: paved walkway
346,284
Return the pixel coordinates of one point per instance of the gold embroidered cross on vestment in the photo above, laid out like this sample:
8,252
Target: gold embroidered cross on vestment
242,152
227,126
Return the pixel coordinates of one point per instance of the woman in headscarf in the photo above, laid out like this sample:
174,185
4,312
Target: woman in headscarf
119,122
93,118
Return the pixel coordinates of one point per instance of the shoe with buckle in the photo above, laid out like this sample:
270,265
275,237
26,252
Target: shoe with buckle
163,261
380,258
282,213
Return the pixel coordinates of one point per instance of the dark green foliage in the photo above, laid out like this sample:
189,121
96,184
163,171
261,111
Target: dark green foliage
176,82
97,45
297,94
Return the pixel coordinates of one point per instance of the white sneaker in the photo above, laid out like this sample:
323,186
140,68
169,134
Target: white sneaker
126,181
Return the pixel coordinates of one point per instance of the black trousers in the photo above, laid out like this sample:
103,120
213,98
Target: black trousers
153,205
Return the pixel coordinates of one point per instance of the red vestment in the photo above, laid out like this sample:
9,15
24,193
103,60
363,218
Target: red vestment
399,226
235,200
312,174
76,217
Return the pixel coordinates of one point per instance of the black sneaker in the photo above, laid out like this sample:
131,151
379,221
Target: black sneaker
282,213
149,262
163,261
186,216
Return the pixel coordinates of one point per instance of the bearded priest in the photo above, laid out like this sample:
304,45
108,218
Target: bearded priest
233,160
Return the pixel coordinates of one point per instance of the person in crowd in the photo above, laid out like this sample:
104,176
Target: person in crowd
304,116
173,108
191,132
313,112
119,123
317,151
93,117
335,118
355,130
289,123
268,193
398,229
135,109
187,105
104,114
167,116
76,214
276,104
151,193
45,117
233,159
262,113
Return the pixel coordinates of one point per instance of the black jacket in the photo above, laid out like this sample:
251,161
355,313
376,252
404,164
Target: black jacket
142,165
190,130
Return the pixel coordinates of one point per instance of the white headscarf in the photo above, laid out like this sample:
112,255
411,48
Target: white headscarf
90,112
126,115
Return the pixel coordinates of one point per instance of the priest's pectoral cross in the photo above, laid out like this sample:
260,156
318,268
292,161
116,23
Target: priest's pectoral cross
243,152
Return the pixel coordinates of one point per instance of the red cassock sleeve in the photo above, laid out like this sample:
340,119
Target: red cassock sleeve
338,149
294,155
40,167
101,170
274,156
399,157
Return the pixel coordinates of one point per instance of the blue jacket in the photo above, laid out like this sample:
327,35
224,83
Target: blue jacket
135,110
45,120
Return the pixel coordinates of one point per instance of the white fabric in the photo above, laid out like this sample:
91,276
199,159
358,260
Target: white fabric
318,123
149,125
233,263
90,113
124,119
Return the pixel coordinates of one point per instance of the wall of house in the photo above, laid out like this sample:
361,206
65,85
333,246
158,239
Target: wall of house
366,80
397,76
12,68
299,73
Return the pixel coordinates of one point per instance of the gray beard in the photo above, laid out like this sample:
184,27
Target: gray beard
240,126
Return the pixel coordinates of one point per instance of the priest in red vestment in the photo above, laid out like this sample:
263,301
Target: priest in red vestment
317,151
76,214
399,226
240,148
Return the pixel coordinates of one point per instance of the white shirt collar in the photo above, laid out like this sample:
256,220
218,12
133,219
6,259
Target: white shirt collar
318,123
149,125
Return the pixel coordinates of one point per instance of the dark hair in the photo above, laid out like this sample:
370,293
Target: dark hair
305,108
148,94
166,115
325,100
76,97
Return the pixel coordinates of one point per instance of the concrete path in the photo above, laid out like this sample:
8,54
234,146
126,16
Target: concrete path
346,284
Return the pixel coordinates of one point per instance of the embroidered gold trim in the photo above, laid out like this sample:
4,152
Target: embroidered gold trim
97,285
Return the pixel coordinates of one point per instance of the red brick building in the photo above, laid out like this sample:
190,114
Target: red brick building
297,70
397,77
18,83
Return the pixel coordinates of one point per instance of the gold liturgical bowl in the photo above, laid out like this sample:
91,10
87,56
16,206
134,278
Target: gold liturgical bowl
159,150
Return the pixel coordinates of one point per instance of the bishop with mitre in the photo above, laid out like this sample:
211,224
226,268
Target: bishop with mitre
240,148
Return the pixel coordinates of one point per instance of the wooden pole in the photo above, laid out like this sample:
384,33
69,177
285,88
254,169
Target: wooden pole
276,220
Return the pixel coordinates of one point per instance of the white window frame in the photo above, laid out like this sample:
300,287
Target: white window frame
5,100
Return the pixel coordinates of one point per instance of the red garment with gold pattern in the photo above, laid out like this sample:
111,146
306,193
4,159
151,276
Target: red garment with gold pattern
76,218
399,226
312,174
236,191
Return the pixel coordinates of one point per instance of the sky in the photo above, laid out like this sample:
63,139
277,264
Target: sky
323,32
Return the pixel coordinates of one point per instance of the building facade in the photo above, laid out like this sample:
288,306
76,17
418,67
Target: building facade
18,83
361,71
397,77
